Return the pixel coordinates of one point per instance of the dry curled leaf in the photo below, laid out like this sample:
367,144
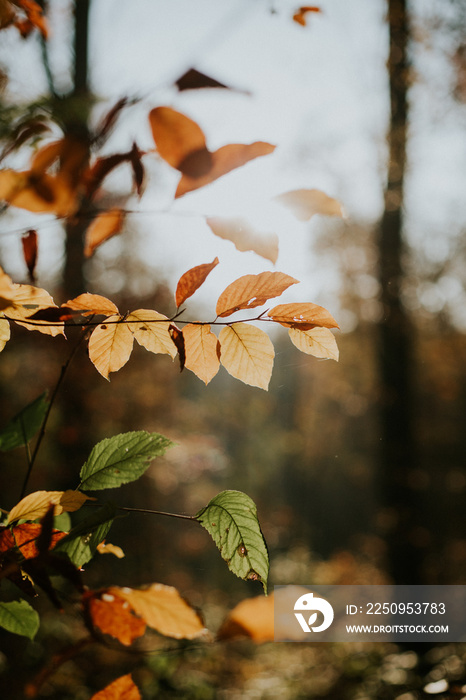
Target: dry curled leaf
240,232
250,291
192,280
247,353
30,250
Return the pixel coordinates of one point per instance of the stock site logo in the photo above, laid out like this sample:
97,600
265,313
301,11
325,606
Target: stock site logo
307,603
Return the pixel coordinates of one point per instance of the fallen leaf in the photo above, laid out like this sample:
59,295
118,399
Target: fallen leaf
113,616
247,353
103,227
37,504
302,315
240,232
152,331
202,351
110,345
319,342
192,280
306,203
253,618
250,291
123,688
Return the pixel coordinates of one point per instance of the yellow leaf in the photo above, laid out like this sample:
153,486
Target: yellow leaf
104,548
192,280
247,353
253,617
202,351
302,315
27,300
123,688
305,203
151,330
110,345
90,304
163,609
319,342
102,228
37,504
7,290
244,236
4,333
250,291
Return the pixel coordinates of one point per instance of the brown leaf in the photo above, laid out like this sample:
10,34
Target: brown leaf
250,291
306,203
244,236
177,336
37,193
202,351
110,118
138,168
247,353
152,331
29,242
36,505
175,135
192,280
253,618
110,345
113,615
300,14
26,302
194,80
123,688
319,342
25,537
302,315
103,227
90,304
163,609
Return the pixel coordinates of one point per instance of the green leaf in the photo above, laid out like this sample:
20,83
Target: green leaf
20,618
121,459
231,520
81,543
22,428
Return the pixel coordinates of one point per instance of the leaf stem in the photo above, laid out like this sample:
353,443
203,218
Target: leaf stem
147,511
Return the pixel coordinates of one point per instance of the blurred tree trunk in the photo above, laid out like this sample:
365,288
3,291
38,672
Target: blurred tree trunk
395,332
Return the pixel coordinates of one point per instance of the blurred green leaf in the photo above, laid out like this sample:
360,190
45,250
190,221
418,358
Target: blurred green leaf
231,520
20,618
121,459
81,542
22,428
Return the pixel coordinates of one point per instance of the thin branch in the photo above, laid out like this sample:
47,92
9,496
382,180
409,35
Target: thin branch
146,511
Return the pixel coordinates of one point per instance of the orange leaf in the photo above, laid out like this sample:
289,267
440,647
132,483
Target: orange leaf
253,617
29,242
244,236
24,537
103,227
202,351
250,291
302,315
90,304
163,609
34,14
152,331
247,353
113,616
110,345
300,14
41,193
121,689
305,203
319,342
192,280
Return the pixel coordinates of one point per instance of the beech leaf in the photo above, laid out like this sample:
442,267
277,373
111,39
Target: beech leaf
25,537
28,300
306,203
231,520
202,351
152,331
90,304
110,345
113,616
81,543
319,342
250,291
37,504
123,688
4,333
247,353
22,428
121,459
176,135
192,280
253,618
19,617
163,609
240,232
7,290
302,315
103,227
38,193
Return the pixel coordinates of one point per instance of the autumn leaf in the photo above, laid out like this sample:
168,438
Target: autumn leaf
113,616
247,353
163,609
250,291
181,143
123,688
253,618
202,351
319,342
110,345
177,337
302,315
7,290
240,232
4,333
34,14
90,304
152,331
37,504
26,301
25,537
300,14
39,193
108,548
30,249
103,227
231,520
195,80
192,280
306,203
